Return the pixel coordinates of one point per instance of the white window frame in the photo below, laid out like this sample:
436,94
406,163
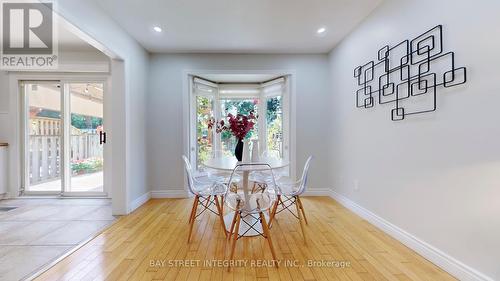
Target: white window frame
285,100
286,93
192,118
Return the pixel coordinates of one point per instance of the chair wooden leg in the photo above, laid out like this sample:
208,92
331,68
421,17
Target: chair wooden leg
267,233
232,226
253,188
299,215
281,202
237,229
272,214
208,201
302,209
193,217
195,202
221,215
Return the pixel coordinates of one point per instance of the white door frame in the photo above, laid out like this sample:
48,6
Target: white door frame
17,141
187,108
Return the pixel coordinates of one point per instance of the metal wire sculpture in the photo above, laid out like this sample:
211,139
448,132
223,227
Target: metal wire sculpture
410,70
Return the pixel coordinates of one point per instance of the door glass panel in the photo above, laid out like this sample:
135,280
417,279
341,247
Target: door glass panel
204,136
237,106
86,151
44,137
274,125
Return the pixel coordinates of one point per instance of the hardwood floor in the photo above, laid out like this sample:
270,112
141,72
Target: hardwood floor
151,244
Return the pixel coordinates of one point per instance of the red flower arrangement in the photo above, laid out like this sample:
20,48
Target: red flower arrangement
238,125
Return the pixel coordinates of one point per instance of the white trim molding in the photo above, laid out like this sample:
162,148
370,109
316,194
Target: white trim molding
139,201
317,192
436,256
171,193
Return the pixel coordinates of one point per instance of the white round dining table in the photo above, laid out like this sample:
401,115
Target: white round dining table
227,164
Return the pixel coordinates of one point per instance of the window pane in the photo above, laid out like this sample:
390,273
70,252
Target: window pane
86,151
44,136
274,121
204,136
235,106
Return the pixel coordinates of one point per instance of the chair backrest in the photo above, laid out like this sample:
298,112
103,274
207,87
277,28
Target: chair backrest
303,179
270,154
266,197
217,153
189,174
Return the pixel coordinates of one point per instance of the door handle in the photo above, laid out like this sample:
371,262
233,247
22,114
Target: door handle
102,137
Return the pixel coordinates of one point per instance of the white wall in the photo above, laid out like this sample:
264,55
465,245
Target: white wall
436,175
83,61
165,109
4,106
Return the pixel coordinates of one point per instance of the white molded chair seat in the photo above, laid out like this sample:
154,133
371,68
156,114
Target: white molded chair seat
217,175
288,187
257,202
263,178
209,188
289,192
250,207
207,193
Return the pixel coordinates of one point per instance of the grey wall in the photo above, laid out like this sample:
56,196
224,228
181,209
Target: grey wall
165,109
437,175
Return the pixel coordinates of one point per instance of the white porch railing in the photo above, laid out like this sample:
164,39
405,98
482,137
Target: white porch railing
45,154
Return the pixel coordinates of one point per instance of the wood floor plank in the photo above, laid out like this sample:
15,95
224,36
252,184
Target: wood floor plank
151,244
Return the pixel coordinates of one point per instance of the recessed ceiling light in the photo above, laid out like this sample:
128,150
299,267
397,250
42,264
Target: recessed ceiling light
157,29
321,30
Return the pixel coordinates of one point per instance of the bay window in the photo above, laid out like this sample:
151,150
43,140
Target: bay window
269,101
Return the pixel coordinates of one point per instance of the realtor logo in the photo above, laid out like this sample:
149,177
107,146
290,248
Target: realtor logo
28,36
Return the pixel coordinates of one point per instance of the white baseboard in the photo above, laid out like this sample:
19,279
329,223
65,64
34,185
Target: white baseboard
178,193
441,259
139,201
317,192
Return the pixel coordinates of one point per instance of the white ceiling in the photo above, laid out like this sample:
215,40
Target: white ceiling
238,26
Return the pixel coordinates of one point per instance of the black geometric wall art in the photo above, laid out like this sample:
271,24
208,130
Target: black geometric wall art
408,75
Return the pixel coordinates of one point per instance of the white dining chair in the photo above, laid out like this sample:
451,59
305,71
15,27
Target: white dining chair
261,180
289,192
206,194
217,175
250,208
